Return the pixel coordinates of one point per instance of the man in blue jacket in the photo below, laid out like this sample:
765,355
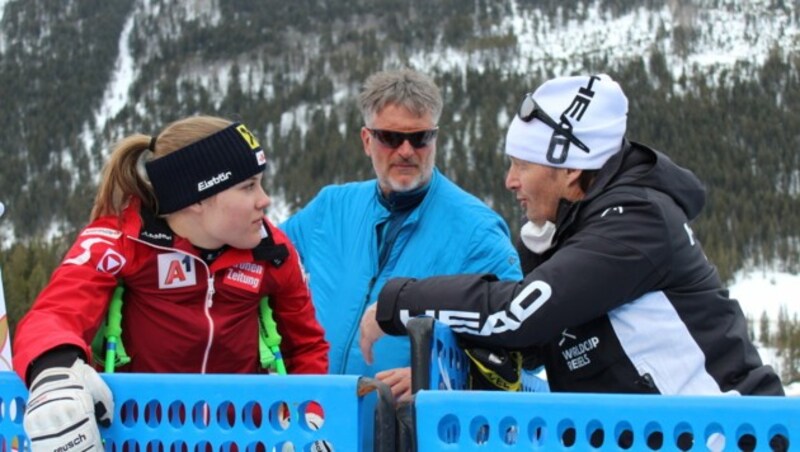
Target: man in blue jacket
411,221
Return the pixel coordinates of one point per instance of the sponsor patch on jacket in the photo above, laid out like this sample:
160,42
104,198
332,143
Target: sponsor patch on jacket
98,252
111,262
103,232
82,251
176,270
157,237
245,276
576,352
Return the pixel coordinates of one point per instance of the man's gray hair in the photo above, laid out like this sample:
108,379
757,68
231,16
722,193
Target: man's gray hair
404,87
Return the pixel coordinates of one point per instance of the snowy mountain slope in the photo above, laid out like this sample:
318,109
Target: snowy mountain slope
769,291
721,35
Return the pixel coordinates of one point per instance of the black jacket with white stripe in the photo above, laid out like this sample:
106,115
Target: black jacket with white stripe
625,301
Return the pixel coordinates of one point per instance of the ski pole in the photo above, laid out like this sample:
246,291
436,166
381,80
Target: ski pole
272,337
113,329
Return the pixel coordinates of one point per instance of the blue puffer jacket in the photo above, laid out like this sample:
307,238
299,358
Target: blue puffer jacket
450,232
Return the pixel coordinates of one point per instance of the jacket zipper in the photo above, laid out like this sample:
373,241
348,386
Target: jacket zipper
207,309
208,302
365,303
354,331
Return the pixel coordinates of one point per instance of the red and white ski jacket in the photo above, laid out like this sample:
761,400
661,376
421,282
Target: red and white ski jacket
179,314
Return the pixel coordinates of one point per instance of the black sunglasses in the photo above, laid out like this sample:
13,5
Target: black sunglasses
393,139
529,109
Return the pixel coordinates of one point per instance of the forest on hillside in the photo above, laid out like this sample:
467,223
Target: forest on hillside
294,69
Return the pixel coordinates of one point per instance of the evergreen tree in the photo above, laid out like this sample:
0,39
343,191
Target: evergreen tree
763,329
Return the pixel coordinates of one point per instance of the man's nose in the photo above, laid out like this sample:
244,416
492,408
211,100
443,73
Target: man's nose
405,149
511,181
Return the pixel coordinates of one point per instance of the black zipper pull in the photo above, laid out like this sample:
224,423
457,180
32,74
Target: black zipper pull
646,381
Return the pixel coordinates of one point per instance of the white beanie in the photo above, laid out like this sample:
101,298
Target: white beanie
596,109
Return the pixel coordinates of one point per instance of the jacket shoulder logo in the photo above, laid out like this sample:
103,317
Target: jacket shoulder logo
104,232
689,233
86,246
111,262
617,210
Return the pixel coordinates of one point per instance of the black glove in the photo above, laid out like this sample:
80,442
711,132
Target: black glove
494,369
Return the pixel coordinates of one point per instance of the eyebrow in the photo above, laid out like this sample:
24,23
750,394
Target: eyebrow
250,179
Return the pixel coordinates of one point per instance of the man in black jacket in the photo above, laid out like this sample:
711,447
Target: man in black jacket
618,295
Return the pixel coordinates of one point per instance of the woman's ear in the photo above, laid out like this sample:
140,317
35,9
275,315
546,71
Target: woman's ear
197,207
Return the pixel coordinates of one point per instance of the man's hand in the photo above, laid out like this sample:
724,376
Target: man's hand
399,380
64,407
370,332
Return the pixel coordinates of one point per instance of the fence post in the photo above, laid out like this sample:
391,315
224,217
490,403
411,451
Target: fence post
420,334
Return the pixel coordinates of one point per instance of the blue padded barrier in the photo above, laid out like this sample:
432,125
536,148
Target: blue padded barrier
13,395
449,363
171,412
532,382
441,361
496,421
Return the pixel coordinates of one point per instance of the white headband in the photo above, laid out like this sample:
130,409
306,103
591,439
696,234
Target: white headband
594,107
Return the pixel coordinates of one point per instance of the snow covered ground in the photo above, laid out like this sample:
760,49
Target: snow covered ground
760,291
